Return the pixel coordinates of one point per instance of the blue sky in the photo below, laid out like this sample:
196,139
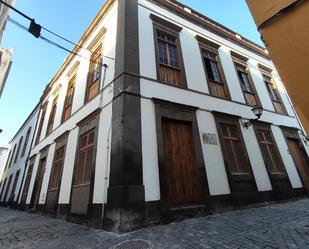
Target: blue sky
36,62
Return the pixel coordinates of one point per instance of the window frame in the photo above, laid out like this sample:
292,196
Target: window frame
26,141
242,61
235,180
52,115
41,123
270,84
171,30
71,84
214,49
18,148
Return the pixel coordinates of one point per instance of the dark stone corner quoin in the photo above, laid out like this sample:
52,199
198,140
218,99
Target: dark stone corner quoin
125,208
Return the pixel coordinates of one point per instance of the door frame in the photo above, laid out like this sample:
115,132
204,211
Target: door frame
44,154
292,133
84,126
61,141
178,112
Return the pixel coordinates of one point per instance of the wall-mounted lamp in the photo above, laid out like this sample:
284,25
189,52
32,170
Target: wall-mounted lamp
257,111
1,130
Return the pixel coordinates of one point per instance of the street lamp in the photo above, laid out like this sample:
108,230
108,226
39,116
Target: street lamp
1,130
257,111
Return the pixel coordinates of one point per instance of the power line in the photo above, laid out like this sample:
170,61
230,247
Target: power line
36,28
11,20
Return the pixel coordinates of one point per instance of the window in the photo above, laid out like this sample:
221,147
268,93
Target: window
13,154
27,181
94,75
26,142
52,116
8,161
18,149
55,177
273,93
270,152
67,109
170,67
38,135
213,68
234,149
85,158
245,80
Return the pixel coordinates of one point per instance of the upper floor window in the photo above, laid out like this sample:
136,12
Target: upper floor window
273,92
18,149
170,67
52,116
213,68
94,75
38,135
13,154
67,109
245,80
26,142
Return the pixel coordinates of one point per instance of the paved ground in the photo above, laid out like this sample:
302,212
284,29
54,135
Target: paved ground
277,226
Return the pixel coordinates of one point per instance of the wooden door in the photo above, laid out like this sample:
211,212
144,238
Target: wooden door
7,188
38,183
299,160
26,184
182,179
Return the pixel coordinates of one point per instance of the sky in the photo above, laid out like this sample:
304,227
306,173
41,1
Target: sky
35,62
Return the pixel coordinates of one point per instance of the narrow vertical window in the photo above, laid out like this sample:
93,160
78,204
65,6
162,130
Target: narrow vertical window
26,142
13,154
67,109
273,93
94,75
269,150
213,68
52,116
18,149
38,135
85,158
245,80
234,148
27,181
170,68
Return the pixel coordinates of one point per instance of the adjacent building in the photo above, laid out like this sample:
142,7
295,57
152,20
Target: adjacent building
16,161
283,26
153,120
3,157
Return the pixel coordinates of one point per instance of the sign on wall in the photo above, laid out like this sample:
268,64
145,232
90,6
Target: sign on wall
210,138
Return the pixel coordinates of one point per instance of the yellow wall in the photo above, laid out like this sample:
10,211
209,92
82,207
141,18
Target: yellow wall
287,40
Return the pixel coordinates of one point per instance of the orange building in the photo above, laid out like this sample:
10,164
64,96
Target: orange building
283,25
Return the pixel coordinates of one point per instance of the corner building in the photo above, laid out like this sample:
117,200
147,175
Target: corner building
147,124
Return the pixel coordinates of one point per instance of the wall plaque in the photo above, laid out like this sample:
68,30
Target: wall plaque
209,138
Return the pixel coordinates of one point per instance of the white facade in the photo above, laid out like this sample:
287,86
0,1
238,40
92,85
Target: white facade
17,159
195,95
4,13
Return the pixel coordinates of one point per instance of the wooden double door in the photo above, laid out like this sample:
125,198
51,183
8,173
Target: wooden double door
181,167
38,184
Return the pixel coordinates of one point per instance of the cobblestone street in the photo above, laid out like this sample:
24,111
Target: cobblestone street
284,225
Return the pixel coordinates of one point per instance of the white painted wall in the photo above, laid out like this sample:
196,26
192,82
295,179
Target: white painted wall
197,95
213,157
286,157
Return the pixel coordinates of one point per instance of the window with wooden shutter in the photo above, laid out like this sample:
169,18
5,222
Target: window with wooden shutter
168,53
43,113
94,75
26,141
52,116
85,158
18,149
234,148
55,177
270,152
213,68
245,79
67,108
273,93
